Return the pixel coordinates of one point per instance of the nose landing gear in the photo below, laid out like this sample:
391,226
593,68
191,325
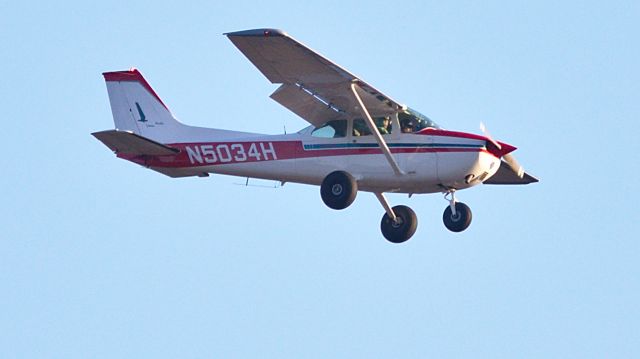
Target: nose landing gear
457,216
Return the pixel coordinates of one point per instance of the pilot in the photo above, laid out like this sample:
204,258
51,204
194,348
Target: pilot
384,125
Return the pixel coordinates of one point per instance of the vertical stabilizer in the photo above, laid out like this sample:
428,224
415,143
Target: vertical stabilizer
137,108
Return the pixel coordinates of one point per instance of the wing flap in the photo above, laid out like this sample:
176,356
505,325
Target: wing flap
305,105
506,176
129,143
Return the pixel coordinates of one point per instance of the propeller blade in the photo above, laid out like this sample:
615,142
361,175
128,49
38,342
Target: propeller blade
513,163
488,136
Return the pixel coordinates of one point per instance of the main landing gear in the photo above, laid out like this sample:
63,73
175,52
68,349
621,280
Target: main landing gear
339,189
400,229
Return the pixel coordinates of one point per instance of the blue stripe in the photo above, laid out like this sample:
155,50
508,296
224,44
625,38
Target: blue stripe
330,146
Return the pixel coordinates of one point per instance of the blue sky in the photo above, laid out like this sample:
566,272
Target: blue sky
101,258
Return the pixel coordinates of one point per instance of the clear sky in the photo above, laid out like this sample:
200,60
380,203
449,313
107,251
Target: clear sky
100,258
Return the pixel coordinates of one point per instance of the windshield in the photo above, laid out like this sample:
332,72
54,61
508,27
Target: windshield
413,121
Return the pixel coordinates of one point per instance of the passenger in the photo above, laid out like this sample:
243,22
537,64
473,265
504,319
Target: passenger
408,126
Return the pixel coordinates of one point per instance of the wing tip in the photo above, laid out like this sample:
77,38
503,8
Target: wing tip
127,75
257,33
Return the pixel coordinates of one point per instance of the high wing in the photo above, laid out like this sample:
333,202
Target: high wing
312,87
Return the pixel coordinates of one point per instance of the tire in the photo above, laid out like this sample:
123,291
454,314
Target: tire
338,190
460,221
402,231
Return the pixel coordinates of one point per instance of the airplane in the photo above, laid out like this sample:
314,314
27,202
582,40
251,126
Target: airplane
358,138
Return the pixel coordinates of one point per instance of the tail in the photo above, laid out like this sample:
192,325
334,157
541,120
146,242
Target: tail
138,109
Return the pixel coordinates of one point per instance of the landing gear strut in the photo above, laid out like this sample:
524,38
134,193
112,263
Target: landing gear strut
457,216
398,223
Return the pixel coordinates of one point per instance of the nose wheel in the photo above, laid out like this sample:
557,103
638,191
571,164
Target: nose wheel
457,216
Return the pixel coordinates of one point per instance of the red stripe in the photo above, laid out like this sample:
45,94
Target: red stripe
429,131
132,75
285,150
506,148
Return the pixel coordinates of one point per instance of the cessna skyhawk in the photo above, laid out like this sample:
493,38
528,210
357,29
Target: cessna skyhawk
359,139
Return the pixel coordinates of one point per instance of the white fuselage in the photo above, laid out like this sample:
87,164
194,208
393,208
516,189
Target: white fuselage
433,161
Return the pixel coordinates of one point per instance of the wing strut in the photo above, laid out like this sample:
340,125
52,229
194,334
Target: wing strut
376,133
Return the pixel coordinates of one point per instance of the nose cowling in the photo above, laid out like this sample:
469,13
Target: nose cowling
466,167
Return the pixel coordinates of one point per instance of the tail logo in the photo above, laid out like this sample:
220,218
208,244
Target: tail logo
143,118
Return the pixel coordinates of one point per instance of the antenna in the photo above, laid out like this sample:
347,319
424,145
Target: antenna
276,184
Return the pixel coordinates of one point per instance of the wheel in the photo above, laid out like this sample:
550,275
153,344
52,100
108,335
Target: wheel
460,221
403,229
338,190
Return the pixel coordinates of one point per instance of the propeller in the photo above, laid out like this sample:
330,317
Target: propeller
509,159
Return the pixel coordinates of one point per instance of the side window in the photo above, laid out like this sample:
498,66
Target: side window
332,129
383,124
360,128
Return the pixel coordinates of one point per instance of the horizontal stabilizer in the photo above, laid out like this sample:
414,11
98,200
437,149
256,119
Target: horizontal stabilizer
506,175
126,142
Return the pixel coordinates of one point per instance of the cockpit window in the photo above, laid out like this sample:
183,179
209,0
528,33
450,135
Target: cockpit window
413,121
332,129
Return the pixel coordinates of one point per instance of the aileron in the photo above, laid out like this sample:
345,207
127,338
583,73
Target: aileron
284,60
